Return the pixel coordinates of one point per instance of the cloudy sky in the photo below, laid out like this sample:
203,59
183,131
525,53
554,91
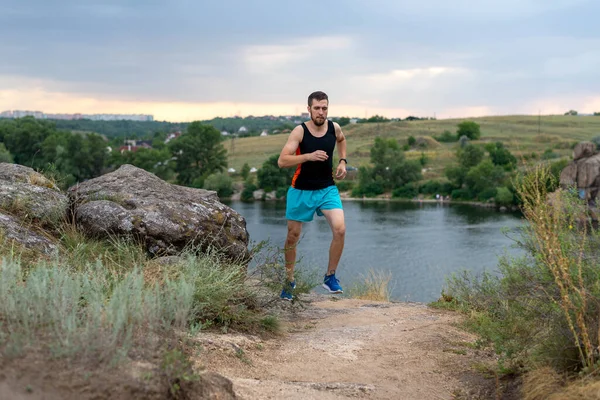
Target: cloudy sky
191,59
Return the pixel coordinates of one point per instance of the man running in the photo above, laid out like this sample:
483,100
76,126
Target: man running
309,148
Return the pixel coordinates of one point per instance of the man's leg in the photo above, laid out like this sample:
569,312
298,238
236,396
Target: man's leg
291,241
335,217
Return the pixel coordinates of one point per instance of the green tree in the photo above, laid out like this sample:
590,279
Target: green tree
390,169
483,179
156,161
23,138
456,175
469,129
245,171
5,155
199,153
411,140
501,156
469,156
343,121
271,177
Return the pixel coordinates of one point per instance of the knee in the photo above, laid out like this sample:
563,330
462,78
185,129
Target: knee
339,231
293,236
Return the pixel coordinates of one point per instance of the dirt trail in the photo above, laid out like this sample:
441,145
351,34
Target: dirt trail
356,349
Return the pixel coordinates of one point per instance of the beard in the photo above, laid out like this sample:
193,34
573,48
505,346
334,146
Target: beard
318,121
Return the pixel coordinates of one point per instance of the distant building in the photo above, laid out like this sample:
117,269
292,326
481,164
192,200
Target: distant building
243,129
171,136
304,115
224,133
135,145
264,133
93,117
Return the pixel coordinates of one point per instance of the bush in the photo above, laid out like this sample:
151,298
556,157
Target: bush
430,187
370,189
446,137
344,186
549,155
281,192
469,129
461,194
544,307
407,191
411,141
271,177
220,183
504,196
248,192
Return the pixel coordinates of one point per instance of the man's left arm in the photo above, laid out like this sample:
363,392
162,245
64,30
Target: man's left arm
341,145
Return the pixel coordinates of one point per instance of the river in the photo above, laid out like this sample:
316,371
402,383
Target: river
420,244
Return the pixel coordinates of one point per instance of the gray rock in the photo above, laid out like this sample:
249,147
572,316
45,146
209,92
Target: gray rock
168,218
258,194
11,229
30,196
583,150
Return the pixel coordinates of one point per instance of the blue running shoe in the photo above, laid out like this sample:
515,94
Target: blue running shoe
331,283
287,291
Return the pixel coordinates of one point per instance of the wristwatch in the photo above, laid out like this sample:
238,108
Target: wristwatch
344,160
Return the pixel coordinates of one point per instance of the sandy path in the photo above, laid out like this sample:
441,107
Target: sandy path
354,349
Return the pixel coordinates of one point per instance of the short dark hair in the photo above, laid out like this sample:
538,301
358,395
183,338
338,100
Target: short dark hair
318,96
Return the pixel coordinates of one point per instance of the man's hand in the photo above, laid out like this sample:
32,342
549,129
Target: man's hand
340,173
318,155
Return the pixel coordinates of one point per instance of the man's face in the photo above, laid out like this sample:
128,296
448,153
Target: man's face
318,111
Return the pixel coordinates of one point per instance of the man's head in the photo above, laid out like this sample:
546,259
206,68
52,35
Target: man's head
318,103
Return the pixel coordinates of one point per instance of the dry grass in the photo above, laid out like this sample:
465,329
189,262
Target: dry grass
541,383
375,286
550,225
546,384
588,390
40,180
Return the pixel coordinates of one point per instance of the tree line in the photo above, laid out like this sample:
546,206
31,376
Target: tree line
71,157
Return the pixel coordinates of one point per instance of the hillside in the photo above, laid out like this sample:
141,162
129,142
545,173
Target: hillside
522,135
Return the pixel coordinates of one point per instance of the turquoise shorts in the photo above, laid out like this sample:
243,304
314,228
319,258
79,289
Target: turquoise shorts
302,204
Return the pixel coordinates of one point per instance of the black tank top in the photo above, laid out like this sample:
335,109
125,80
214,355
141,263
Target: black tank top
314,175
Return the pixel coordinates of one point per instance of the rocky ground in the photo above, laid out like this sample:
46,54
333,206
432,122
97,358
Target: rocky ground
338,349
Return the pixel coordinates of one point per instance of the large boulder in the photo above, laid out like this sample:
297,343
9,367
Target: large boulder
167,218
30,196
14,231
583,150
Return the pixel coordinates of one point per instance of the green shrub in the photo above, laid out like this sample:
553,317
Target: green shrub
549,154
220,183
281,192
430,187
248,192
344,186
461,194
411,141
407,191
446,137
504,196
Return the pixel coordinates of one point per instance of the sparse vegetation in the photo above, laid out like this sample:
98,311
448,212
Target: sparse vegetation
375,285
542,310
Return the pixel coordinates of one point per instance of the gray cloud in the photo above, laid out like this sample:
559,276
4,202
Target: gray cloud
394,54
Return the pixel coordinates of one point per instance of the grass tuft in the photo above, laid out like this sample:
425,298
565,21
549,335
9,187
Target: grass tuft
375,286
